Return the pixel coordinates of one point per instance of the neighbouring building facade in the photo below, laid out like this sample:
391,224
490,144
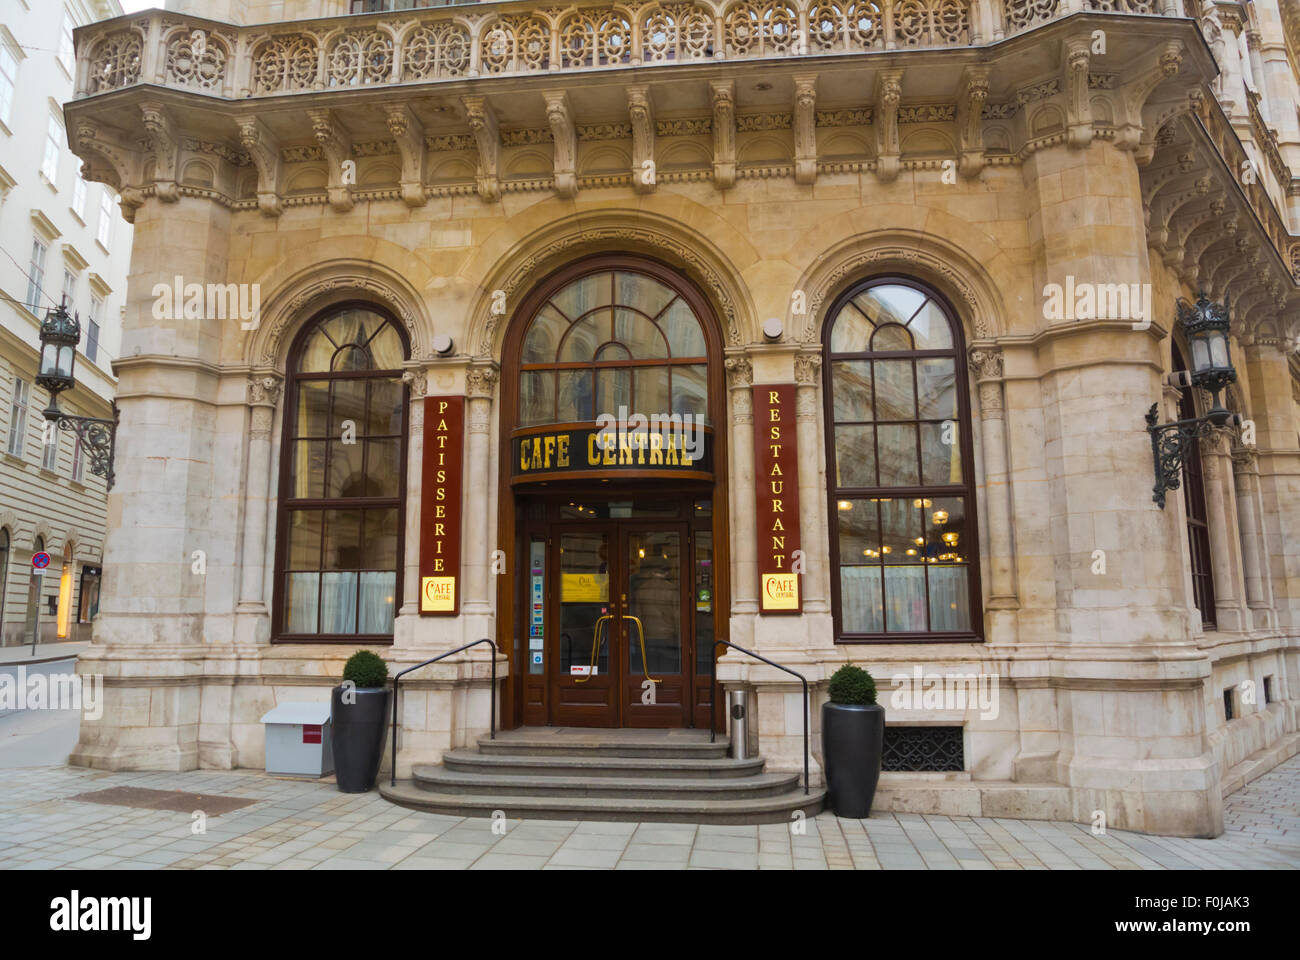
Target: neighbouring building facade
63,237
900,276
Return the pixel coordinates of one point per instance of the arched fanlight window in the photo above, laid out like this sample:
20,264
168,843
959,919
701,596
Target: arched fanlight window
903,541
342,495
611,339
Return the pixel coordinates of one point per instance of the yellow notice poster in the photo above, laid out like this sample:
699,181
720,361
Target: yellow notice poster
584,588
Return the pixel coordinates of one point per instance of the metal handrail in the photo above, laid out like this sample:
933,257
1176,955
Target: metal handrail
713,700
442,656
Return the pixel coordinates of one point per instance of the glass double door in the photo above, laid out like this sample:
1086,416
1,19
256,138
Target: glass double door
621,602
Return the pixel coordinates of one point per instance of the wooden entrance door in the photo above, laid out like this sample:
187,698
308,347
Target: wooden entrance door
620,600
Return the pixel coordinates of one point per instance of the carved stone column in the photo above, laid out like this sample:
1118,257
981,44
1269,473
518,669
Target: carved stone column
1250,528
812,499
1273,410
263,395
1220,507
417,382
480,386
987,368
744,549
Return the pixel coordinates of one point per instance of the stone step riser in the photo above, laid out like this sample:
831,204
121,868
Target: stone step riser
640,751
648,769
765,810
471,786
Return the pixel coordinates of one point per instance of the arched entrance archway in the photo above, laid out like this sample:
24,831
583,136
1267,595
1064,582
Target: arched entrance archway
613,497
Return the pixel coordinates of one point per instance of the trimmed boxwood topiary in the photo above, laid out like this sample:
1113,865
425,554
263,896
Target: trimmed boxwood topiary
851,685
365,670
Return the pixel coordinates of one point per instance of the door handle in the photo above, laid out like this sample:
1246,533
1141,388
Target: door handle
597,638
640,631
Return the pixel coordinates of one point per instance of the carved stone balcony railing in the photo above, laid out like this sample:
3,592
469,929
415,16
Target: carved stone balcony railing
495,39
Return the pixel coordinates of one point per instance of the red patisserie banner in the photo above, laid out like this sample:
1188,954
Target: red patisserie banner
776,472
440,508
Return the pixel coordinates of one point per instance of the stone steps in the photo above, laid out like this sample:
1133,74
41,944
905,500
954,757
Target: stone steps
441,780
630,775
597,765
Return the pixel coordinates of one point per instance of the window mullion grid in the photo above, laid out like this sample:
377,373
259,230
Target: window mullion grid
920,475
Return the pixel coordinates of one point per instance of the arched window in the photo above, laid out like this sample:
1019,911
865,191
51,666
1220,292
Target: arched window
343,464
1198,526
611,339
903,541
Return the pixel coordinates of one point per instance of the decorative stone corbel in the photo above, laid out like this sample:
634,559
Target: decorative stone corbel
889,92
408,133
1159,65
564,133
264,149
1078,101
723,94
483,121
164,149
109,158
641,112
805,128
974,90
336,143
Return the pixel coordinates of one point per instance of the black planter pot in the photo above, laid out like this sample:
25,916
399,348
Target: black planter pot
852,739
358,731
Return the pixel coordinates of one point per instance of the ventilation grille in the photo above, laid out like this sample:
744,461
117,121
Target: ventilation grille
923,748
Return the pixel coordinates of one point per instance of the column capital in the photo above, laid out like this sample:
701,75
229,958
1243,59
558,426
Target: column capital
264,390
418,380
481,380
1245,460
740,372
986,364
808,369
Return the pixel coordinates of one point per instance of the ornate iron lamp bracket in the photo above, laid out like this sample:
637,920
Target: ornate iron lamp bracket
98,440
1170,443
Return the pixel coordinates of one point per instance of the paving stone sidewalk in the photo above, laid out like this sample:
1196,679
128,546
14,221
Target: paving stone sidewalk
303,825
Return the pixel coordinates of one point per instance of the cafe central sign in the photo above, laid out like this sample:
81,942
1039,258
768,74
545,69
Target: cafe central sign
777,476
674,446
440,511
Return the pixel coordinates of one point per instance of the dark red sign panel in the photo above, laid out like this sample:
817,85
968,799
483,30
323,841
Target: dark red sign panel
776,471
440,511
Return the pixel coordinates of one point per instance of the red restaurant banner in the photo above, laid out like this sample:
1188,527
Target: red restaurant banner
776,471
440,510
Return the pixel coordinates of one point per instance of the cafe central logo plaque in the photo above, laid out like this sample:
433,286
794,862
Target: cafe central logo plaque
440,511
777,476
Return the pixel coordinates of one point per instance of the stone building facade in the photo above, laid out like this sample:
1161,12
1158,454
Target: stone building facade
939,244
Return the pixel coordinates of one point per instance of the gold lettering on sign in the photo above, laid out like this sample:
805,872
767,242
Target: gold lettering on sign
777,478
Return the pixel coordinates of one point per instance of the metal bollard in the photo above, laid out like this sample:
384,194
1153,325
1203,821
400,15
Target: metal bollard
738,711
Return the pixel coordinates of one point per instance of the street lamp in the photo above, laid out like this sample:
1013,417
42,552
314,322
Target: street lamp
60,334
1206,326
